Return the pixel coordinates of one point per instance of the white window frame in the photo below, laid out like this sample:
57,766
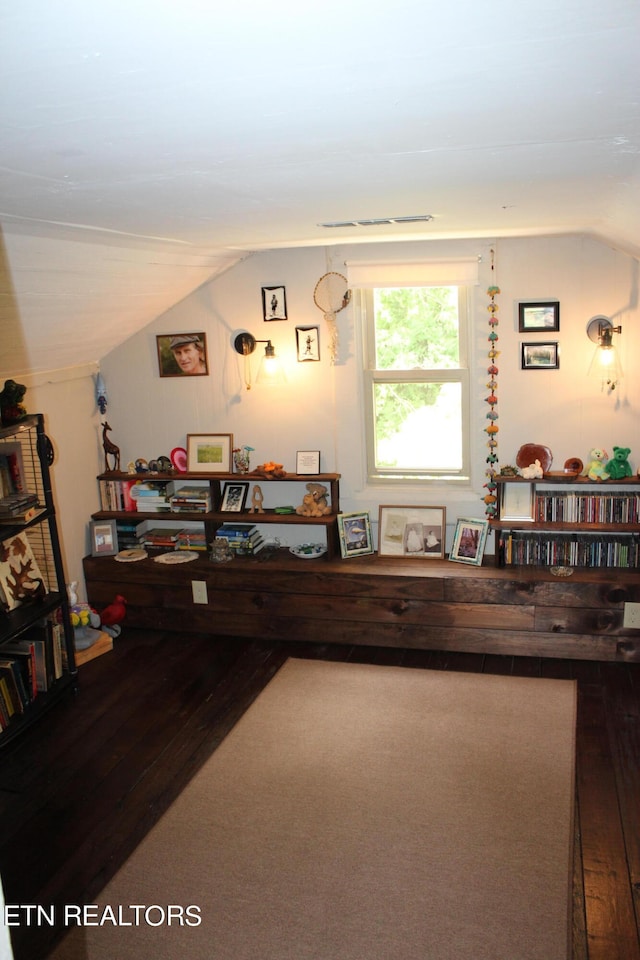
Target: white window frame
371,376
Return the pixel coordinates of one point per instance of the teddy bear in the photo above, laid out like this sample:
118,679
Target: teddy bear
596,468
619,467
11,407
314,502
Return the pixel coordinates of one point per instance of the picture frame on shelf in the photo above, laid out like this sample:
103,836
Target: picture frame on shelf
182,354
209,452
409,532
307,462
308,344
540,356
538,317
517,501
104,538
274,303
234,496
469,541
354,532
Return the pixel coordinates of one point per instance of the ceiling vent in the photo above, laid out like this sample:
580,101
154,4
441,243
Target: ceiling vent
379,221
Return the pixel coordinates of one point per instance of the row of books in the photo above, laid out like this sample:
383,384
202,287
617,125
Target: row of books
547,549
587,507
29,665
154,496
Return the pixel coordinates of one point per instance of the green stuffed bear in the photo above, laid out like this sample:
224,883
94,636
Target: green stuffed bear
618,467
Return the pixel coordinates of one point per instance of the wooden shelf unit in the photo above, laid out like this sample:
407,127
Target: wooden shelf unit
213,520
578,540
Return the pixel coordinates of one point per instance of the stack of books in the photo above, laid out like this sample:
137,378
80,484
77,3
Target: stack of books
18,507
243,538
191,499
192,540
151,498
160,539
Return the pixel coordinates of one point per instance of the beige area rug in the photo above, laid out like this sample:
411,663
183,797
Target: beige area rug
360,812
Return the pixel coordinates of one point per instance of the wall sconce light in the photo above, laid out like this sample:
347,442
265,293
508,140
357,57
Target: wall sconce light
605,362
270,372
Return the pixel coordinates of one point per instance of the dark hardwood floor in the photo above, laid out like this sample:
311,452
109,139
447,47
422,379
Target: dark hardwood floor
81,789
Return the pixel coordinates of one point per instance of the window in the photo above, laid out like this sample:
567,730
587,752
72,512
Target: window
416,381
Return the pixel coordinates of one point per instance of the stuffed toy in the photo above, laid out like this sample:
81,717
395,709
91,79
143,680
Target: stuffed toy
314,502
619,467
596,467
12,408
533,472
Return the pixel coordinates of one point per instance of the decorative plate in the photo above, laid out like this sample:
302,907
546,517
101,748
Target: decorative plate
308,551
178,556
531,452
130,556
179,459
562,476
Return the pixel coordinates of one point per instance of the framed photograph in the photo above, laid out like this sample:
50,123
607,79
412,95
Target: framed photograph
274,303
540,356
412,532
517,501
354,530
234,497
182,355
308,462
541,317
209,452
468,541
308,341
104,538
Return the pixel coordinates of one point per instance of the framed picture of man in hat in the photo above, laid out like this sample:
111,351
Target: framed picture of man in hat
182,354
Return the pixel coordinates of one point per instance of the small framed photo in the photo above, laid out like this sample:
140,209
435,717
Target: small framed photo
209,452
539,317
308,462
274,303
104,538
517,501
412,532
182,354
308,341
468,541
354,530
234,497
540,356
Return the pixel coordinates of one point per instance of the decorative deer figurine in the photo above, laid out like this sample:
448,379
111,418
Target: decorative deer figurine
110,449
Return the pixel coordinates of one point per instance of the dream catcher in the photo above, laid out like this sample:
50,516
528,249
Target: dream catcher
332,295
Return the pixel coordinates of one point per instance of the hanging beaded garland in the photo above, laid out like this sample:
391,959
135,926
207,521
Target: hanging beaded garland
490,498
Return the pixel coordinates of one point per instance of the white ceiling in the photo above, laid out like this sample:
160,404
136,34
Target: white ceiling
146,145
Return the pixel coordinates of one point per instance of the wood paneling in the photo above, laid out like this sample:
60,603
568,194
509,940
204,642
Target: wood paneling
369,601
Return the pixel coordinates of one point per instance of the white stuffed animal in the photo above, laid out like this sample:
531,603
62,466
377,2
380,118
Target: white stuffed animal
533,472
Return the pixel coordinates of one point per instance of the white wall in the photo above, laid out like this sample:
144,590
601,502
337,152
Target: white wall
72,424
320,407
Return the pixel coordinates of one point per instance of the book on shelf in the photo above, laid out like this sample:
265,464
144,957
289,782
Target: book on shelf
231,529
11,469
23,652
192,498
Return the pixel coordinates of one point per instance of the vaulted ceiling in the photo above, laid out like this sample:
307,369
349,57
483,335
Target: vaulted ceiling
147,145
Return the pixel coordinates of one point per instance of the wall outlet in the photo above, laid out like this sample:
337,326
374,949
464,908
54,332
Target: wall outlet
631,619
199,590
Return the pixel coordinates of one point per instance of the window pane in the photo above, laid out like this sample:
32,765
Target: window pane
416,328
418,426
